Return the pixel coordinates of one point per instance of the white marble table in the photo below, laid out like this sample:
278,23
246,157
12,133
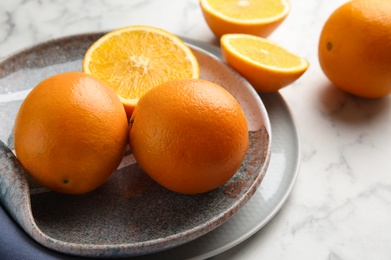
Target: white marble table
340,206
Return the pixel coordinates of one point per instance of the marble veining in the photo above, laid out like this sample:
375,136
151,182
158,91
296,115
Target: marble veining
340,206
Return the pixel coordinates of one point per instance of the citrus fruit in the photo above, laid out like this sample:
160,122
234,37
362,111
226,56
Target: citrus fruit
70,133
354,48
265,64
189,135
134,59
256,17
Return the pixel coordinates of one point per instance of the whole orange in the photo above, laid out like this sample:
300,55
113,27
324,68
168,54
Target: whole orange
189,135
70,133
354,48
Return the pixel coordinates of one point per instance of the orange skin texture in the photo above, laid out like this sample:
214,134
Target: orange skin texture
354,48
70,133
189,135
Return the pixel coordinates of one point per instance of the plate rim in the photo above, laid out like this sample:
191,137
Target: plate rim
283,198
278,206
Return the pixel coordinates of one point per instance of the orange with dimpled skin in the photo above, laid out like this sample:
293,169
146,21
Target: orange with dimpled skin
70,133
189,135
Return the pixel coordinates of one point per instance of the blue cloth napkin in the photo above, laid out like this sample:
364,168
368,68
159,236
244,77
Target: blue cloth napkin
15,244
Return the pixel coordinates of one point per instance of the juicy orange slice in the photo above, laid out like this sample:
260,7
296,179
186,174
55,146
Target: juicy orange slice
134,59
266,65
256,17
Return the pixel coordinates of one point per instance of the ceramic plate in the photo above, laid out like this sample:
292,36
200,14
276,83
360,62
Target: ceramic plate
269,197
130,215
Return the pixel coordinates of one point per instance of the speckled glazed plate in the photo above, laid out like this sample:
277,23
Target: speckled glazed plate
130,215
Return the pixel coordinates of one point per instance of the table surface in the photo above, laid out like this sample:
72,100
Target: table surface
340,206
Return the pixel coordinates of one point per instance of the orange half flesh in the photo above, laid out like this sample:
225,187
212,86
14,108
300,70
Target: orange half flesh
265,64
134,59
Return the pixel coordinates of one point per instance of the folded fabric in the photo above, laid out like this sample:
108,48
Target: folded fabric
15,244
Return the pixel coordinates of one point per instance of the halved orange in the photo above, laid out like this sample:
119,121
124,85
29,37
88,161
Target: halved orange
134,59
265,64
256,17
